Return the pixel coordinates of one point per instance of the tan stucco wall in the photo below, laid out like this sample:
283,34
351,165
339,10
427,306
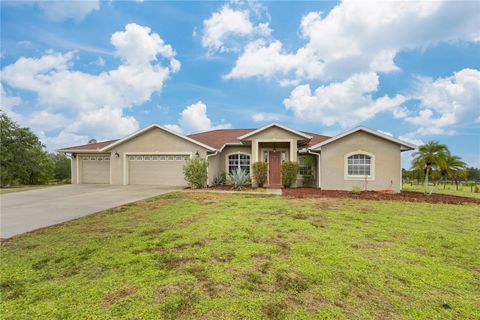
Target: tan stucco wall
213,168
151,141
387,163
274,134
73,170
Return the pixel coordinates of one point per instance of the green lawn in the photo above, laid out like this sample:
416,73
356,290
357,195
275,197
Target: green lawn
463,191
214,256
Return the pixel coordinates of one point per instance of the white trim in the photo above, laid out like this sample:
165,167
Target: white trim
407,145
306,136
79,150
237,152
228,144
371,177
126,154
133,135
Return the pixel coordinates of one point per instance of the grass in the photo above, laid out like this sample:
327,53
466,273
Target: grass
463,191
217,256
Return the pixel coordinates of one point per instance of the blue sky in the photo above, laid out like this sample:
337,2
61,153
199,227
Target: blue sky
75,71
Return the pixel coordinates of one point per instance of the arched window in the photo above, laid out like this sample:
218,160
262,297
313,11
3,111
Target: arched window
359,165
239,161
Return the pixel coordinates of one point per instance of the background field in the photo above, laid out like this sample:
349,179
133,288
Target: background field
463,191
211,256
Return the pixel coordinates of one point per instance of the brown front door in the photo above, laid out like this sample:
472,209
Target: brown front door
274,168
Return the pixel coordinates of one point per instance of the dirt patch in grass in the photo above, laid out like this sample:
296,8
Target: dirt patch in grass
115,297
377,195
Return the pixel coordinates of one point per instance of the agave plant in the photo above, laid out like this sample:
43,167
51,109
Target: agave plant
239,178
220,179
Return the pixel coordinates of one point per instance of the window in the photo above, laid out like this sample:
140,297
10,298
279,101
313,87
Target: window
359,165
238,161
305,168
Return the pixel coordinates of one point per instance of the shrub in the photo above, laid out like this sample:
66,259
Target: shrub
356,190
195,172
309,177
260,171
239,178
308,180
289,173
220,179
477,190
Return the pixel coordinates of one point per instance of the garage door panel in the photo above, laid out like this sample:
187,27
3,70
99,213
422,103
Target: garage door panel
157,170
95,170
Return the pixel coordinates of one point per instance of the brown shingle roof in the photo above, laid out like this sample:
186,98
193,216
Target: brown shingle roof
217,138
91,146
316,138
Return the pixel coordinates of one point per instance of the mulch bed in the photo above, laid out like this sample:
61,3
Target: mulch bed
230,188
374,195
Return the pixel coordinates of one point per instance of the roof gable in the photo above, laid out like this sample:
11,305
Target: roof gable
139,132
274,124
405,145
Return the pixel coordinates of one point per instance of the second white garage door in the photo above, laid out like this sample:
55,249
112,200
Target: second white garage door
164,170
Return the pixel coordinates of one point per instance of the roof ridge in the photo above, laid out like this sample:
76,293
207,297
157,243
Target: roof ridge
86,144
231,129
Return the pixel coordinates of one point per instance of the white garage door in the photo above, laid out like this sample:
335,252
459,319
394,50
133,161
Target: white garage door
95,169
165,170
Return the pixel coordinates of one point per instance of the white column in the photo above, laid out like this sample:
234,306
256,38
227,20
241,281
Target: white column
255,150
293,150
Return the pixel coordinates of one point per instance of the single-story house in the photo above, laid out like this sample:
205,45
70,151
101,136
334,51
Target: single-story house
155,155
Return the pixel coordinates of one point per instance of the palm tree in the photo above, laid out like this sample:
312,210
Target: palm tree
429,157
452,166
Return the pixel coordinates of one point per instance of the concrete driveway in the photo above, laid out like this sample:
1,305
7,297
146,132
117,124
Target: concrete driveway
29,210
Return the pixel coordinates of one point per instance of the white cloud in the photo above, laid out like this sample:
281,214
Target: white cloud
194,119
93,104
7,101
62,140
358,37
223,26
447,102
61,10
410,138
345,103
100,62
267,117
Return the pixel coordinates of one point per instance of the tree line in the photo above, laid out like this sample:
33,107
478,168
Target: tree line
24,159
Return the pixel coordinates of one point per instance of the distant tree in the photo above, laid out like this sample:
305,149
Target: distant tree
430,156
61,166
23,159
473,174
